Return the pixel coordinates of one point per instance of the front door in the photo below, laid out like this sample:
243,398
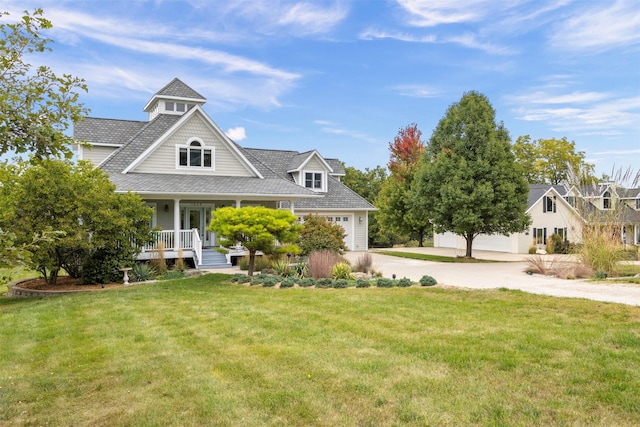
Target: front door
197,217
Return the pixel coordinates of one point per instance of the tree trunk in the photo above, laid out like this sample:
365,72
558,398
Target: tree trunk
252,262
420,238
469,238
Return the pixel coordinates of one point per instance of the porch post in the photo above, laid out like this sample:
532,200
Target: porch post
176,224
291,206
238,203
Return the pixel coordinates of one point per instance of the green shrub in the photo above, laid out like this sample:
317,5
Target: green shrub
384,283
258,279
301,269
362,283
288,282
427,281
269,281
404,282
342,270
237,278
141,272
324,282
103,266
340,283
319,234
282,268
307,282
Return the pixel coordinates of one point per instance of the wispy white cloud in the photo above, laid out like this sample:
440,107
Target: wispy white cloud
602,26
429,13
371,34
416,91
237,133
334,129
586,113
286,17
467,40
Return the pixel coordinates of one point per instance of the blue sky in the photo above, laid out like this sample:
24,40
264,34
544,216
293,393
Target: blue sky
343,76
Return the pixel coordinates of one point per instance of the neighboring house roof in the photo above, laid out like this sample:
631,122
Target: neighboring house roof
538,191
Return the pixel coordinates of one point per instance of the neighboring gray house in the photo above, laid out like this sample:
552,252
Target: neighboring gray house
553,211
184,167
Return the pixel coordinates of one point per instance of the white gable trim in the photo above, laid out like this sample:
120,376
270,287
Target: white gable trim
559,199
186,116
308,159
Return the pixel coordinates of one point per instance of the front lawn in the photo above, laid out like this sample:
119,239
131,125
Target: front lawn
204,352
430,257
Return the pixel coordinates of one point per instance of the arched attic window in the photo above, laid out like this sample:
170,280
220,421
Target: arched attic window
195,155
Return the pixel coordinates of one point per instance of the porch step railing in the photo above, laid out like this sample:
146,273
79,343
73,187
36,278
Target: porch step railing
189,239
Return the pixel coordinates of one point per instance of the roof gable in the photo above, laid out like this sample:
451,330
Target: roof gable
299,161
181,121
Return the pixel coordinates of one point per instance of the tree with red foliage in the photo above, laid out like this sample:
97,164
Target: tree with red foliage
406,150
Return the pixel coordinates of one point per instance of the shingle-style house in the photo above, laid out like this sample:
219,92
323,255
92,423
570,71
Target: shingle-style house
560,209
185,167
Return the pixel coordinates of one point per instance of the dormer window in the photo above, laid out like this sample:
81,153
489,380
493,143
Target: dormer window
313,180
195,155
606,200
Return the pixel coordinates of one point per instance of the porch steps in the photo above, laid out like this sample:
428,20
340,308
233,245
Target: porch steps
213,259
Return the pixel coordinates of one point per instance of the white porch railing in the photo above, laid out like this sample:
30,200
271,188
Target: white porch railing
188,239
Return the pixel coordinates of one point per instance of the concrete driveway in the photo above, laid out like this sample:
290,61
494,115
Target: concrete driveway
506,274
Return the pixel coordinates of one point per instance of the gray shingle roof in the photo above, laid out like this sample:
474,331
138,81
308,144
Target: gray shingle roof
139,142
178,89
106,131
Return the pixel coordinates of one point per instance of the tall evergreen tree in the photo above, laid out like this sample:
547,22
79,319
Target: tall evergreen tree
469,181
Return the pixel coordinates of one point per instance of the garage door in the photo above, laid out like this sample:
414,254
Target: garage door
497,243
447,240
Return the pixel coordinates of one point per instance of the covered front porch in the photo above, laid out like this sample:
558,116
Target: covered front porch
183,229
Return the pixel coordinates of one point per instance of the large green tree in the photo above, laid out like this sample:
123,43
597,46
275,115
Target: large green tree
469,181
258,228
552,161
36,105
398,212
83,222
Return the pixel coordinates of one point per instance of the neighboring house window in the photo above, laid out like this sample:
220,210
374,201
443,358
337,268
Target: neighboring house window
562,232
549,204
571,200
313,180
637,203
540,236
606,200
195,155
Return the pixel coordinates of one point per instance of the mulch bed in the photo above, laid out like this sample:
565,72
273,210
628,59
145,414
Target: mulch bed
65,283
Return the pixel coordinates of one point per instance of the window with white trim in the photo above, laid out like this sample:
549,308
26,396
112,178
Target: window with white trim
313,180
606,200
549,204
195,155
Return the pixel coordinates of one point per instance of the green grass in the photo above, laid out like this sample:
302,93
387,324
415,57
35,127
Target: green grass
428,257
203,352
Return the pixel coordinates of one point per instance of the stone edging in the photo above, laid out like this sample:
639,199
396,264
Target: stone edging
15,290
